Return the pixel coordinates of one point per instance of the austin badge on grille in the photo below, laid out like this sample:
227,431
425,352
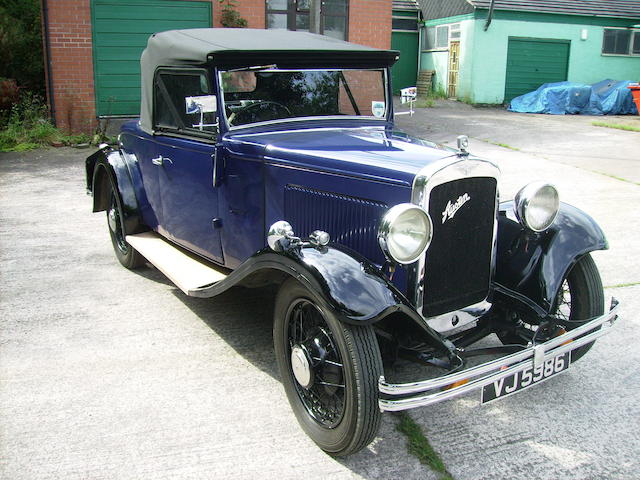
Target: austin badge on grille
451,208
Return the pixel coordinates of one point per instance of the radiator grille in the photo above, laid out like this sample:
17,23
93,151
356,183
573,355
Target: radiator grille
458,262
350,221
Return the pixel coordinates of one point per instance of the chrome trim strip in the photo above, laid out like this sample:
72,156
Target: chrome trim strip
432,175
515,363
444,323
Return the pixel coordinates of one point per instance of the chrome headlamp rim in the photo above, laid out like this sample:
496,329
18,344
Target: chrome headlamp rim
523,199
387,222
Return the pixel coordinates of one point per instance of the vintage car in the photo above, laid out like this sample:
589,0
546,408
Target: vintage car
270,157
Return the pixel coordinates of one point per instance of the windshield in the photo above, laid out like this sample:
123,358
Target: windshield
259,96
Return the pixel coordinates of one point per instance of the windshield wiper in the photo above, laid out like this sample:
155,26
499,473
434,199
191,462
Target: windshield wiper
256,68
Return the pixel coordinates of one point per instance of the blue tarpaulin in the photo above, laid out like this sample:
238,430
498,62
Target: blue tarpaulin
608,97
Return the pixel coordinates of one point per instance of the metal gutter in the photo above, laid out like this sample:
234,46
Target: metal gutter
489,15
44,8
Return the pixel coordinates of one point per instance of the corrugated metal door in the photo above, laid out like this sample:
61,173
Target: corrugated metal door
120,32
534,61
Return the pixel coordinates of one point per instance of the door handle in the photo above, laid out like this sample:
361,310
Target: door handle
160,160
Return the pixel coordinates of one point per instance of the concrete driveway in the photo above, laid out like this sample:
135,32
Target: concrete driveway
111,374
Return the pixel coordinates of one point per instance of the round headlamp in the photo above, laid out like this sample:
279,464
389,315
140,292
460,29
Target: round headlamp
536,205
405,233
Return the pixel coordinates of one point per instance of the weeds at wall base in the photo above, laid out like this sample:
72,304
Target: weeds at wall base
26,126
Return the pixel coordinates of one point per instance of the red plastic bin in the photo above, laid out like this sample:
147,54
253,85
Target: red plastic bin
635,92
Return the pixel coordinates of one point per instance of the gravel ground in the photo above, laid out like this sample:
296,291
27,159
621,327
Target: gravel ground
111,374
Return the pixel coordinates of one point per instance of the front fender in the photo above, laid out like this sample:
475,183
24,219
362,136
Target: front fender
105,169
534,265
344,281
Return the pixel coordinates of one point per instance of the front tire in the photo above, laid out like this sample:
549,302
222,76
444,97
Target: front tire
125,253
581,297
329,371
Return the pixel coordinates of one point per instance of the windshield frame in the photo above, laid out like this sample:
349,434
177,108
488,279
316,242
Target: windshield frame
368,118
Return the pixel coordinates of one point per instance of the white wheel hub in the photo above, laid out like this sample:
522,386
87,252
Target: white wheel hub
301,367
112,219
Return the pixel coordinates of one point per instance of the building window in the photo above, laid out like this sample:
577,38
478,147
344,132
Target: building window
404,24
438,37
621,41
294,15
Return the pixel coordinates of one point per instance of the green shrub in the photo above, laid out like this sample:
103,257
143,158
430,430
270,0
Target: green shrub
27,126
21,44
230,16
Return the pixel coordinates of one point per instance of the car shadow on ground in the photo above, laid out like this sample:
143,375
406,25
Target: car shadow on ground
243,318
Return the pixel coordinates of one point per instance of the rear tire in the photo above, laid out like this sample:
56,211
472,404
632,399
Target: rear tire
333,389
125,253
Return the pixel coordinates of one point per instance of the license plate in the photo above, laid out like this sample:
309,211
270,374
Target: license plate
526,378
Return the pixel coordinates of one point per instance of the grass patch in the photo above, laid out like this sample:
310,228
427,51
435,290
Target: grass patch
27,126
503,145
425,102
430,100
420,447
622,285
618,126
615,177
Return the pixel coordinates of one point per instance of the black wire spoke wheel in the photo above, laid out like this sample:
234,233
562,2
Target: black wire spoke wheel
580,297
125,253
310,341
329,371
114,220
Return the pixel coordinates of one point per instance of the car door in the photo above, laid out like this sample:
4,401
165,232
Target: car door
185,143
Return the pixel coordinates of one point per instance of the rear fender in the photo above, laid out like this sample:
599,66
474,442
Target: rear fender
530,267
108,168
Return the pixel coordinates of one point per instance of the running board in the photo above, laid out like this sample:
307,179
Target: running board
185,270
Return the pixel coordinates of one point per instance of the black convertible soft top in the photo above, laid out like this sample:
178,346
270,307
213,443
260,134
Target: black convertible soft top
242,47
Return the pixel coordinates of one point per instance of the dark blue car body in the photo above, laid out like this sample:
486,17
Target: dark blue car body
245,185
293,172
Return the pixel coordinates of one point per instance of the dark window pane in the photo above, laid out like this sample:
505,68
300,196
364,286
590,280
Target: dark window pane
334,7
404,24
335,27
616,42
277,4
636,44
302,22
303,5
276,20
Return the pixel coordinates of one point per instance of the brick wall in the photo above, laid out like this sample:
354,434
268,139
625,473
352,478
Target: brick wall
71,60
71,64
253,11
370,22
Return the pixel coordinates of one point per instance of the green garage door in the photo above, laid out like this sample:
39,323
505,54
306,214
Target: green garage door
120,32
404,38
534,61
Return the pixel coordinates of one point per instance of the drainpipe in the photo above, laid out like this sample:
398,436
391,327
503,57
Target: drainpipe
420,30
44,8
489,15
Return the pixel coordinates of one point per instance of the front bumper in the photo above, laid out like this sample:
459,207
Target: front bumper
427,392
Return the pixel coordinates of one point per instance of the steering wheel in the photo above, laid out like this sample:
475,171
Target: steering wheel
261,104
